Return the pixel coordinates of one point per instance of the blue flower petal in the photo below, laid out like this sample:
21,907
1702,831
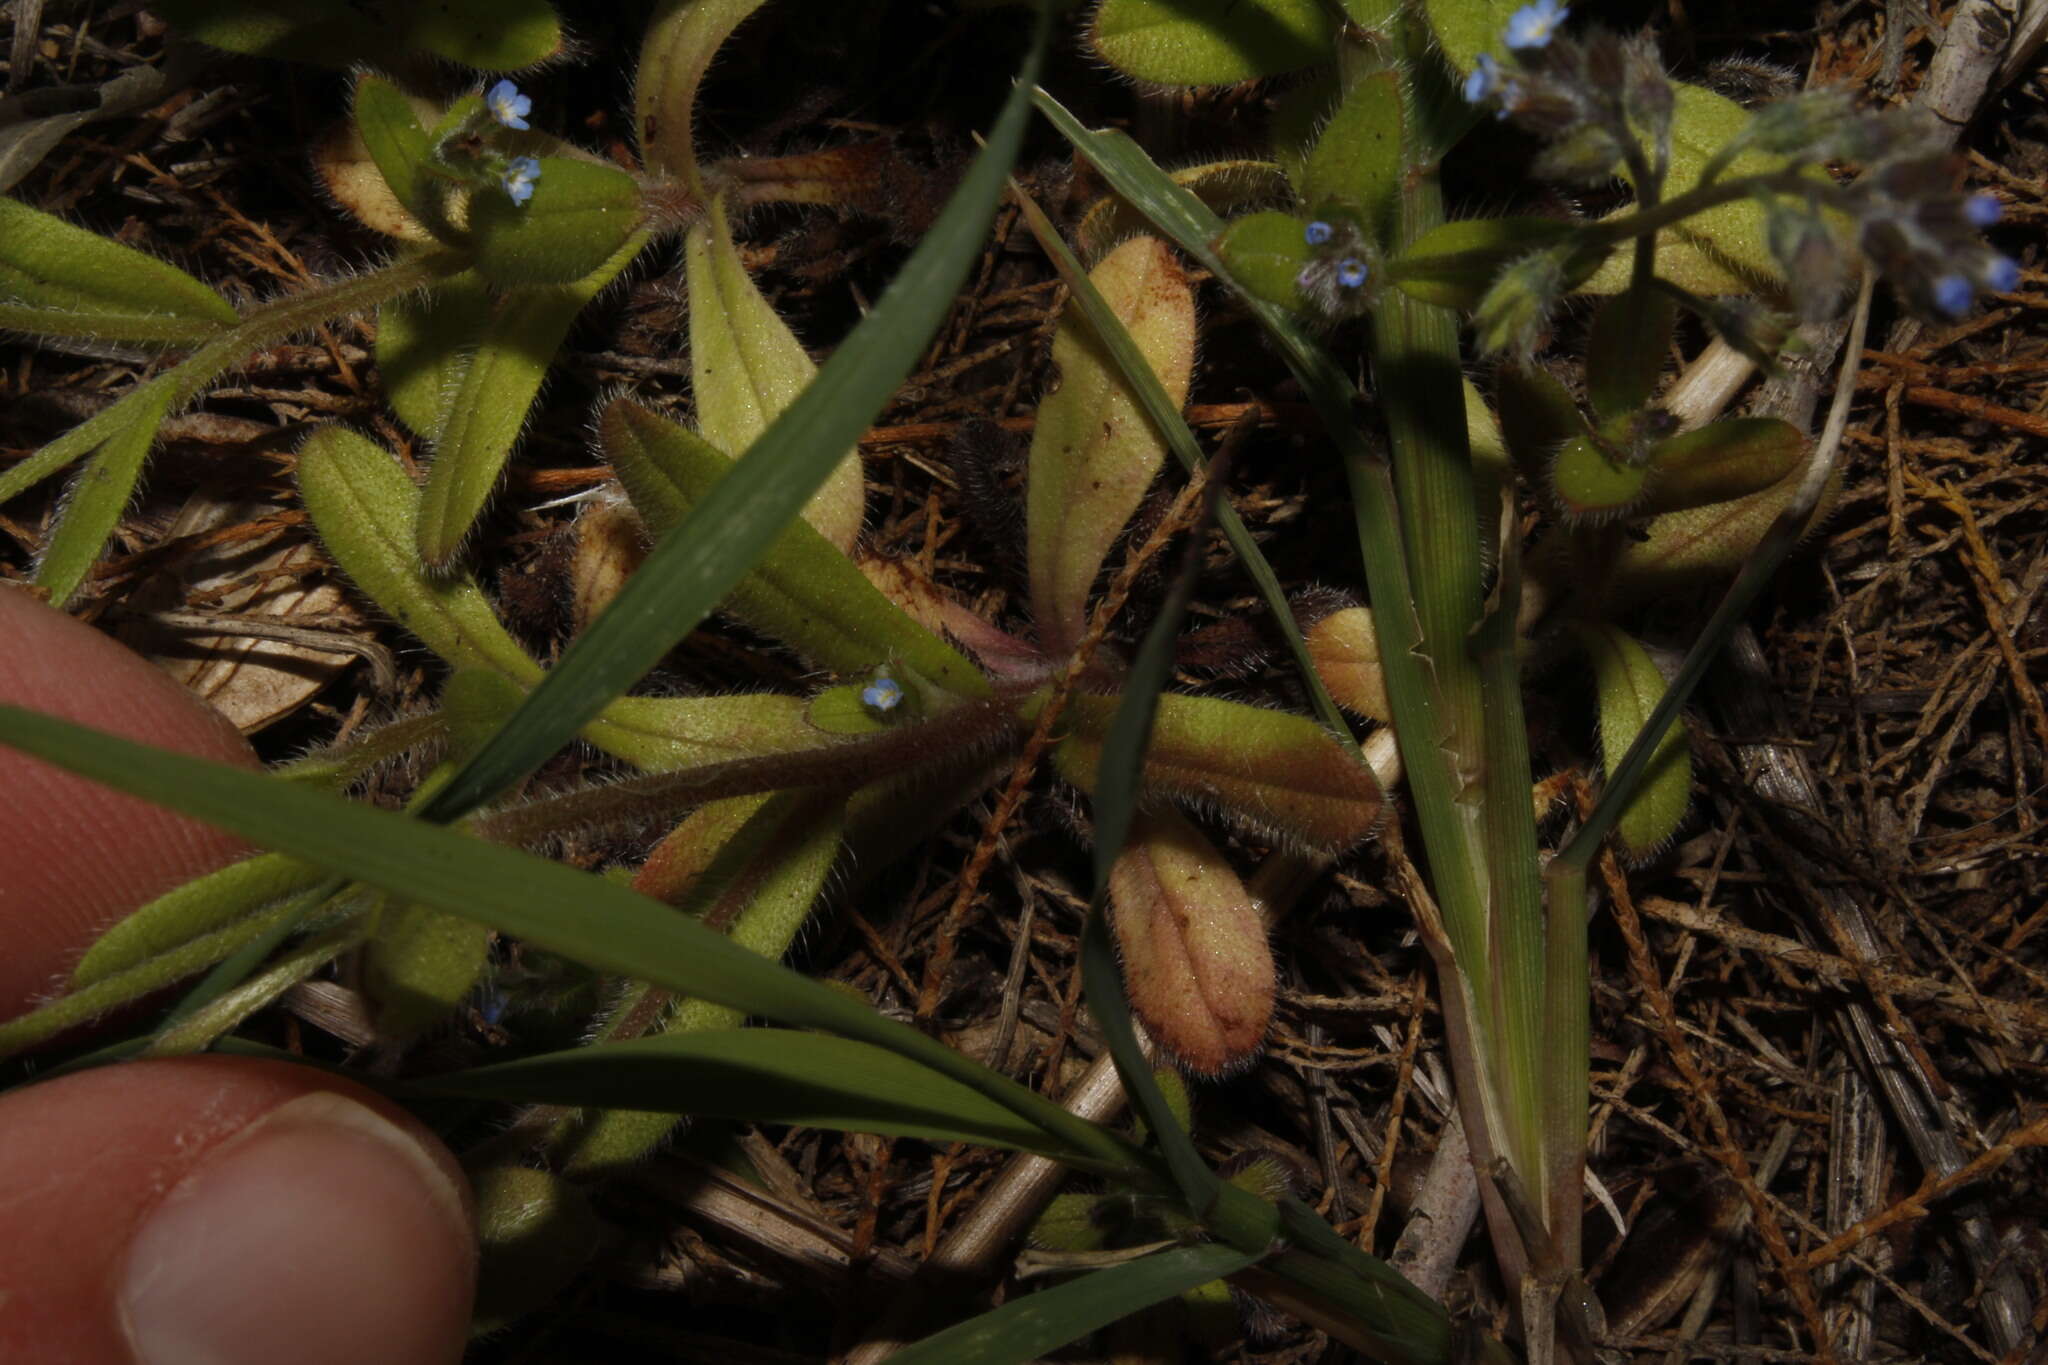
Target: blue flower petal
1351,272
508,106
1953,295
1533,26
883,694
2002,276
518,177
1983,210
1317,233
1485,76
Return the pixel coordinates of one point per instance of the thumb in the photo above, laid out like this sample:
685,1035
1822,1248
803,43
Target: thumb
227,1211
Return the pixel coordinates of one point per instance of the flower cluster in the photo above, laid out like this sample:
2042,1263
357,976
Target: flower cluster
1591,98
1604,105
1923,234
1339,272
475,150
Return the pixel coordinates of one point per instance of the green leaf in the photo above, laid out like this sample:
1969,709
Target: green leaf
1265,253
1680,552
1630,687
199,907
1453,264
1726,249
60,280
97,500
364,508
1626,353
557,908
148,975
701,561
580,215
423,343
1094,452
209,1014
392,134
803,591
1196,959
681,40
1466,28
1592,486
667,734
1537,416
1358,162
760,1075
496,35
486,409
1724,460
1278,773
1164,413
1030,1325
492,35
1225,186
419,965
747,367
535,1232
1211,42
362,505
1347,655
327,32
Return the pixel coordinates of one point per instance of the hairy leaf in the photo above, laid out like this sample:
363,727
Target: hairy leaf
1196,960
61,280
1278,773
804,592
1358,161
97,500
1347,655
1225,186
199,907
579,216
1210,42
1266,253
747,367
681,40
1630,686
1732,458
485,410
1094,453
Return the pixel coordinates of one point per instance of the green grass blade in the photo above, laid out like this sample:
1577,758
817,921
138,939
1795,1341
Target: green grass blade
1028,1327
761,1075
604,926
697,564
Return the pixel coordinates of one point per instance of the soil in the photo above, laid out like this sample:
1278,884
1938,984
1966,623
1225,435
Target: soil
1818,1015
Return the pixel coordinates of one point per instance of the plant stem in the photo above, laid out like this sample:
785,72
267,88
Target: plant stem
265,326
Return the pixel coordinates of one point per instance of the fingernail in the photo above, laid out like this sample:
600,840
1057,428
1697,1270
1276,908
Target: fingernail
321,1232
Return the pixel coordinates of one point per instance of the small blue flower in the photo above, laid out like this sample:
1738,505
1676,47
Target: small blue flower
1351,272
1953,295
1483,81
1318,232
1533,26
518,177
508,106
2002,276
884,694
1983,210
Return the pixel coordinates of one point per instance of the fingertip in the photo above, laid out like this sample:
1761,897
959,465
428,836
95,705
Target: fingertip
224,1210
77,855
